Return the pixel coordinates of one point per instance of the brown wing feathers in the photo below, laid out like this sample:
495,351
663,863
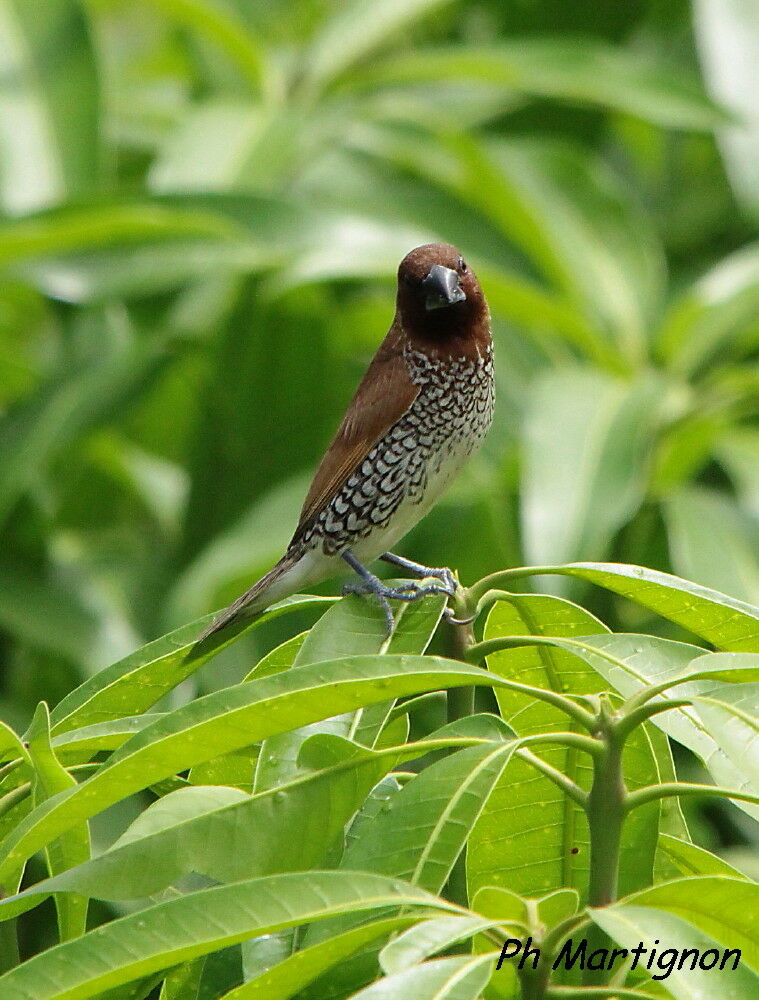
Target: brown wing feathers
384,395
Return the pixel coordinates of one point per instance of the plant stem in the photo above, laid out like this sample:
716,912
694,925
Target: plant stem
606,813
461,700
644,712
460,704
575,793
642,796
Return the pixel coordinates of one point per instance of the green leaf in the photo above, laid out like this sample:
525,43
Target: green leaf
420,830
199,923
552,668
509,845
632,923
461,978
76,400
228,720
220,26
44,613
355,30
73,848
49,106
86,230
78,745
710,314
726,33
428,938
423,832
285,979
139,680
278,659
505,847
738,452
206,829
730,717
689,859
714,542
722,620
580,70
631,663
351,627
586,441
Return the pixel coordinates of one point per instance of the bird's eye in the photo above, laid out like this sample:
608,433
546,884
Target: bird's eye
462,265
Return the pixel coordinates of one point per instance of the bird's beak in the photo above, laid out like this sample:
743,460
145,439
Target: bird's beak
442,287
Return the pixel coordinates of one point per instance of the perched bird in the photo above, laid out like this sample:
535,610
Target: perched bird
423,406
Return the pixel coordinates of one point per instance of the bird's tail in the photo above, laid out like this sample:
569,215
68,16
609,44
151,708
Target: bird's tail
254,601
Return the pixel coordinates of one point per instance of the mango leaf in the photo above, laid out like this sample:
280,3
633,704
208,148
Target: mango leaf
355,29
187,927
582,71
284,980
586,440
138,681
631,663
707,317
730,715
426,826
526,855
420,831
228,720
644,924
353,626
726,33
506,848
548,667
427,938
712,541
73,848
278,659
738,452
49,106
722,620
701,901
460,978
207,830
77,745
689,859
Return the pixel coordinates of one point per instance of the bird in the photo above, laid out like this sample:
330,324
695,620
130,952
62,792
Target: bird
423,406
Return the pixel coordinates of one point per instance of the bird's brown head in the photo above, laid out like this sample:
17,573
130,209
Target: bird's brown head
441,308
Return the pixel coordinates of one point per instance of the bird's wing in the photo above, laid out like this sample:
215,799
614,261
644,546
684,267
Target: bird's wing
386,392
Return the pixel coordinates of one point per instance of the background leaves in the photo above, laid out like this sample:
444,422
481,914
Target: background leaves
202,206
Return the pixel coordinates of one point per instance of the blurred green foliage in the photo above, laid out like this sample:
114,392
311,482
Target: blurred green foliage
204,202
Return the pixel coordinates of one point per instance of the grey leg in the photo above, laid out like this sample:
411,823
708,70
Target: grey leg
445,576
370,584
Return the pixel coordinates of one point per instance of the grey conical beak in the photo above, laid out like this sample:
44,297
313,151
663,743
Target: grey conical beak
442,287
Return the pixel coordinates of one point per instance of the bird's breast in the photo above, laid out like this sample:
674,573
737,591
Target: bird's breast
406,471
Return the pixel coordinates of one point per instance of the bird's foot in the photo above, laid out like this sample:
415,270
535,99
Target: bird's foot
447,579
371,584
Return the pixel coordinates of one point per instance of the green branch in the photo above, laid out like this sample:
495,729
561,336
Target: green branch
480,650
642,796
